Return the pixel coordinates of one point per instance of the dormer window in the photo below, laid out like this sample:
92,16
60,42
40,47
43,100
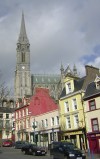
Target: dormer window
98,85
97,82
68,88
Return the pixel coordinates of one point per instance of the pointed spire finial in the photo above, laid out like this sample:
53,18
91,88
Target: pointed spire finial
23,36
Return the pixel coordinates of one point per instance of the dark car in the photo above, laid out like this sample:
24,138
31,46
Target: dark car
65,150
33,150
20,144
7,143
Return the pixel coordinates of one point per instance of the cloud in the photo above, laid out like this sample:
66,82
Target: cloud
64,31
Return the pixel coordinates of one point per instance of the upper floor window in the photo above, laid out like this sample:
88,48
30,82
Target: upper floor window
57,120
66,107
92,105
1,116
42,123
76,120
68,123
1,124
7,116
46,122
68,87
74,104
52,121
94,123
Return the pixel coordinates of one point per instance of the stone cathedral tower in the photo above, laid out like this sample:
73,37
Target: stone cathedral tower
22,73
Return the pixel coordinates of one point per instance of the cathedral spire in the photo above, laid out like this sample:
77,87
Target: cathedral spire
23,36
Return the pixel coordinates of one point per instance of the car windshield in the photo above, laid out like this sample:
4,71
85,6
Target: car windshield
70,146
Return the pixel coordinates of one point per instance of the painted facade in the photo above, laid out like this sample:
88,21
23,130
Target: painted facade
92,115
72,112
37,119
45,112
72,119
7,120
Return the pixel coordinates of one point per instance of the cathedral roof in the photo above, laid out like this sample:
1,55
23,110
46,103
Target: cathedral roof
42,78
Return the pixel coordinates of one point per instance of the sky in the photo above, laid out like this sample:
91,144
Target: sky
59,31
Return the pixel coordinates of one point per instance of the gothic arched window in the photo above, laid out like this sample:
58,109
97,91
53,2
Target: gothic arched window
23,56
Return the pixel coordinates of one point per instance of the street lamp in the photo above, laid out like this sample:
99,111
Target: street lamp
52,134
34,127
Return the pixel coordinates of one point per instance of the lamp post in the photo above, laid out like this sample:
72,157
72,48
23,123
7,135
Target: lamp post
34,127
52,134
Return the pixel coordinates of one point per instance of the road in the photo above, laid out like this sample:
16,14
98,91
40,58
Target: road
11,153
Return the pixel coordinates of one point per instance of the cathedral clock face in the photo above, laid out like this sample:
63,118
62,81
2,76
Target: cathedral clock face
23,67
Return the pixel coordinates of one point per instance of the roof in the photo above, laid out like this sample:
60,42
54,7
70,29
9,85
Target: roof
77,86
41,102
45,79
6,110
91,73
91,90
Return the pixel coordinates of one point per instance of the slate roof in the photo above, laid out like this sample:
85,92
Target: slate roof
77,86
6,110
43,78
91,90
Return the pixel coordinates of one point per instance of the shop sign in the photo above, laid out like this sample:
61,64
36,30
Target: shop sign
74,133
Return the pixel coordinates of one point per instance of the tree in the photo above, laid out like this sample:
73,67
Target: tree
4,90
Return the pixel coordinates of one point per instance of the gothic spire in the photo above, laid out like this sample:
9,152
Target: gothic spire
23,36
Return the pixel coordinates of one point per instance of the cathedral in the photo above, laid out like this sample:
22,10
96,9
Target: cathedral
25,82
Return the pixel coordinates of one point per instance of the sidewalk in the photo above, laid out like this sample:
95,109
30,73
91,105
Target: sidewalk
92,156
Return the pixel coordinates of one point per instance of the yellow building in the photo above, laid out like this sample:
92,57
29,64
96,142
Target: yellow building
72,118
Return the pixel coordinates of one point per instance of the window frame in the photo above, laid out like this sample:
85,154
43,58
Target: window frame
92,125
90,101
66,105
74,102
68,122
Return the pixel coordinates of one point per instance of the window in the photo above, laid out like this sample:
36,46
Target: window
94,123
7,124
42,123
66,107
1,116
52,121
7,116
69,87
1,124
23,57
68,123
74,104
92,105
76,120
57,120
98,85
46,122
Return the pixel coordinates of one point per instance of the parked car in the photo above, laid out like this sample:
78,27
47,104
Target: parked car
33,150
20,144
7,143
65,150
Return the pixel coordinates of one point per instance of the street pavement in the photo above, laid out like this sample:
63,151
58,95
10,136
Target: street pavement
11,153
